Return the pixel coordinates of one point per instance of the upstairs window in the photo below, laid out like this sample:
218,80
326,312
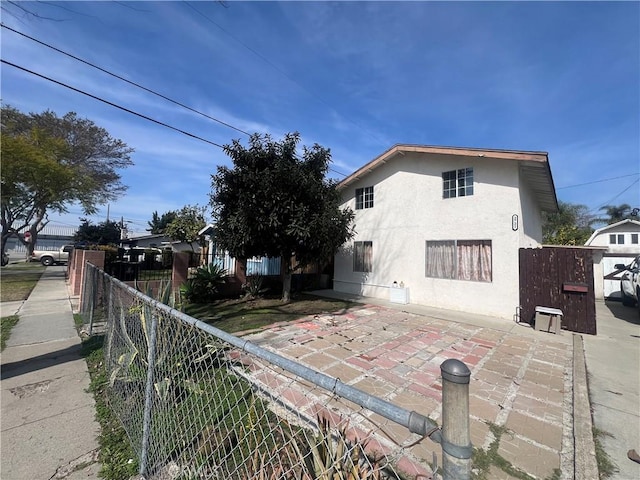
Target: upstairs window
457,183
364,198
362,256
634,238
616,239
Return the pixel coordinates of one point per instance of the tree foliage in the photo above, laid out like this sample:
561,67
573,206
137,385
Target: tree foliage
103,233
188,221
158,223
570,225
50,162
616,213
273,203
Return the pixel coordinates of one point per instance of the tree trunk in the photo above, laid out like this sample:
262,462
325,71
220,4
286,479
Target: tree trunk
4,242
40,220
286,287
285,269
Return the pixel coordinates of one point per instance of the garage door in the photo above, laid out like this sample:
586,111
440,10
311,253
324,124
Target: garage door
612,274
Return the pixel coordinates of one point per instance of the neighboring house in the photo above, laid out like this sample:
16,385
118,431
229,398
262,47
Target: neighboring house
51,238
621,242
255,266
160,241
446,223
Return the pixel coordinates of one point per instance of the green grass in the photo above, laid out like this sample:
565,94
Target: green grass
117,458
606,468
244,314
18,280
482,460
7,324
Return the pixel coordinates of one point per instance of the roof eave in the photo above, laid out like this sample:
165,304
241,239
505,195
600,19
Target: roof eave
544,188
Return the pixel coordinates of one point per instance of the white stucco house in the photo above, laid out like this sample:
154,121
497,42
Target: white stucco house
446,223
620,244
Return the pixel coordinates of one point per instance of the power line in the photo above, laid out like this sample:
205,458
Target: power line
119,77
125,80
599,181
623,191
279,70
113,104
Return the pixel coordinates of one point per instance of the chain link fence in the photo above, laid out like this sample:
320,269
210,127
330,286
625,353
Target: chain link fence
198,403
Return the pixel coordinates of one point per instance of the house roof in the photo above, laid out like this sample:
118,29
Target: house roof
148,237
208,230
609,227
53,230
533,165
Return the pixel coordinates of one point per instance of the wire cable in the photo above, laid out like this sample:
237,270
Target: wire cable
599,181
611,200
125,80
146,89
282,72
112,104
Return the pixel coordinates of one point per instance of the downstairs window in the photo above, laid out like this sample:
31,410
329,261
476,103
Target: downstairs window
459,260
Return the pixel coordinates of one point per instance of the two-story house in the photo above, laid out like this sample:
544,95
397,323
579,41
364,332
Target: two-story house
620,244
446,223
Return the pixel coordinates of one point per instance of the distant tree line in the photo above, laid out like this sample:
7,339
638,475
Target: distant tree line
573,223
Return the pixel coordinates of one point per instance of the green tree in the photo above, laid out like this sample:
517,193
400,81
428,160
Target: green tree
158,223
616,213
81,166
188,221
273,203
570,225
103,233
32,176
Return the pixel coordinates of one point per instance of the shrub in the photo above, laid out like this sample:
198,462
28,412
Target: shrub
253,286
204,285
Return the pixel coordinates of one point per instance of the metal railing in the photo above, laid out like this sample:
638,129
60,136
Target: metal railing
199,403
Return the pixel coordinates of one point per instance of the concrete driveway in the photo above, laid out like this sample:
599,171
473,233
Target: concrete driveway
613,366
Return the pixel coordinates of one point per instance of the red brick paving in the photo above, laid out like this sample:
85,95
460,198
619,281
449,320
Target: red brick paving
517,381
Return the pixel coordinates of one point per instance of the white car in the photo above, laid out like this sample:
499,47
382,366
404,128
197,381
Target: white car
630,283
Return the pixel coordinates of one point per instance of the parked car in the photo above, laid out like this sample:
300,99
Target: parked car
47,258
630,283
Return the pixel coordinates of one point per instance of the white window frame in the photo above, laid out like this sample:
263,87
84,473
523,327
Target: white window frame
616,239
364,197
452,271
457,183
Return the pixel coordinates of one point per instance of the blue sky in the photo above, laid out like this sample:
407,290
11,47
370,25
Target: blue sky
356,77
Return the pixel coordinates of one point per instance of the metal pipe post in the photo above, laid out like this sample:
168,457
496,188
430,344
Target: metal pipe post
93,278
148,396
456,439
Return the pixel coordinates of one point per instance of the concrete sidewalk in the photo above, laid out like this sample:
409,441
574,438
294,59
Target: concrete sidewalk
48,428
613,366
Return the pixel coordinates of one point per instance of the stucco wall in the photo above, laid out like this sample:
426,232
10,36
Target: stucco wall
626,229
530,219
409,210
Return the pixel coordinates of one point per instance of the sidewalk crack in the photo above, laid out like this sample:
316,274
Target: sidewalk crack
76,464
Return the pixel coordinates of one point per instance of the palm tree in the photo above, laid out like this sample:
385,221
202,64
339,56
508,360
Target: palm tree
616,213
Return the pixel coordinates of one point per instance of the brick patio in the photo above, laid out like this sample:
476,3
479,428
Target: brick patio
519,382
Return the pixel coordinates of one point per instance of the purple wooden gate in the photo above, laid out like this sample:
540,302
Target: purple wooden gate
559,277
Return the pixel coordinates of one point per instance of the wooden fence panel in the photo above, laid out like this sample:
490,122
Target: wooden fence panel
559,278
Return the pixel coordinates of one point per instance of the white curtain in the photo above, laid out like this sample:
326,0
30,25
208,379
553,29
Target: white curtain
474,260
461,260
441,259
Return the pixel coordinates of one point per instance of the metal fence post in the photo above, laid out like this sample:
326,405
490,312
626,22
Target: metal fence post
456,440
92,298
148,395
